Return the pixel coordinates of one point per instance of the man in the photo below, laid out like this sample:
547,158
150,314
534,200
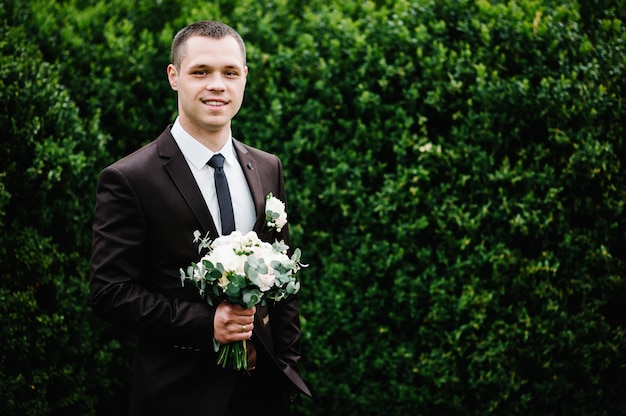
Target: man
148,206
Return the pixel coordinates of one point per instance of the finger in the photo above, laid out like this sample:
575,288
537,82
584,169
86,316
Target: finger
240,310
243,328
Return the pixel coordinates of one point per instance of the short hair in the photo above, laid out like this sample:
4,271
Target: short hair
207,28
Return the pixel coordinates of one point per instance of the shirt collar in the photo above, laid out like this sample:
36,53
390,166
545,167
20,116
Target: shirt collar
195,152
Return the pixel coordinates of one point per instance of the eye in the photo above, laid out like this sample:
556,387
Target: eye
199,72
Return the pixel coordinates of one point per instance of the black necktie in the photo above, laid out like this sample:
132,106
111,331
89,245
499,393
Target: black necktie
223,194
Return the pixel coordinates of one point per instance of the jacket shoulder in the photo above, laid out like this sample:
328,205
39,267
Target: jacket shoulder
160,149
260,156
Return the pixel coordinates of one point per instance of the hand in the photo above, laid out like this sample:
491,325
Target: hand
232,323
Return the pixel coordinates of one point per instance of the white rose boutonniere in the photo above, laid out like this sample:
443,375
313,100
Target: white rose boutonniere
275,214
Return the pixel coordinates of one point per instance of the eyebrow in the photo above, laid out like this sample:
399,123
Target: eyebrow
205,65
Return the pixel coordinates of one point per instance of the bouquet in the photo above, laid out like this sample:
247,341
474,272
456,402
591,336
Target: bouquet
244,270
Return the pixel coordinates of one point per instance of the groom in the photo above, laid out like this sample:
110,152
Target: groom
148,206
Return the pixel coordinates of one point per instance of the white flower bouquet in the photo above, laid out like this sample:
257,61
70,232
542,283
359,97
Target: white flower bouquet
243,270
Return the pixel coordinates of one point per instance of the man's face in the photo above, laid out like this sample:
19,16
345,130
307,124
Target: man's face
210,84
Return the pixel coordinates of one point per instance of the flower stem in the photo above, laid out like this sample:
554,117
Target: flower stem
234,355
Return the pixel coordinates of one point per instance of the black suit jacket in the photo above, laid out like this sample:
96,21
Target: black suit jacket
148,205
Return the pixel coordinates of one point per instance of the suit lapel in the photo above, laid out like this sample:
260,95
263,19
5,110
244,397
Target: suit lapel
178,169
248,164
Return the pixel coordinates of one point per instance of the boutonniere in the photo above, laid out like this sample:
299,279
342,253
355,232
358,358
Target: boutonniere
275,214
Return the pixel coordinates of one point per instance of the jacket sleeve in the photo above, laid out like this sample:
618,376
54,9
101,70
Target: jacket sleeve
127,286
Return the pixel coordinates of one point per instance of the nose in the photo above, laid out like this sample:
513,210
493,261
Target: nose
215,82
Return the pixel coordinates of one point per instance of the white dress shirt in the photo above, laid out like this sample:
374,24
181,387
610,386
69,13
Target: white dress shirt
197,156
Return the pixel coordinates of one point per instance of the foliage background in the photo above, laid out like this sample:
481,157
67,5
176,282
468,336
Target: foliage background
456,179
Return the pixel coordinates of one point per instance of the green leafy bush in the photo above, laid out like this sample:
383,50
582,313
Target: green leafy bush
56,358
455,179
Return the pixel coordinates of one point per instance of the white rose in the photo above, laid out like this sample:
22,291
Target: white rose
266,281
262,249
229,259
250,238
276,206
233,238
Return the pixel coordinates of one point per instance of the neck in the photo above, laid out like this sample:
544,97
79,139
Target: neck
214,140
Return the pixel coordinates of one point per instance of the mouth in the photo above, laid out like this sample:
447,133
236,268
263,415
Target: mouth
215,103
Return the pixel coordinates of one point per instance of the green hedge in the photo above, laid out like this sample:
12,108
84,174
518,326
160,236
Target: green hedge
54,358
455,172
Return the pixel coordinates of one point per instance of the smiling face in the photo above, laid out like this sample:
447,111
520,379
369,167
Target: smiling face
210,82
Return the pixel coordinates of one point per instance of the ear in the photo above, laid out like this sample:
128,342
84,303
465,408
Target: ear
172,76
